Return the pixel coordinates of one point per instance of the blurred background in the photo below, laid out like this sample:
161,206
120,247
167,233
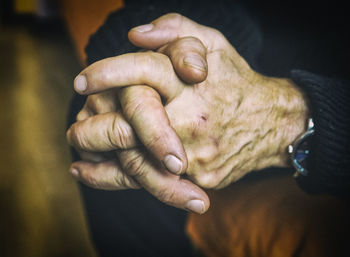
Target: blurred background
41,51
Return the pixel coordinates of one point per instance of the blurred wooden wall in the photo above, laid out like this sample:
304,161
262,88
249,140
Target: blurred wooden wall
41,212
25,6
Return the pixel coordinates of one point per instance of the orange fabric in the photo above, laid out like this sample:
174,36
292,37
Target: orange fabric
271,217
84,17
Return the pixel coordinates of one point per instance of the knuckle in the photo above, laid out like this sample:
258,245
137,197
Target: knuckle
206,180
206,154
174,16
120,180
134,165
216,32
192,41
133,108
137,100
77,138
125,181
219,37
82,115
89,179
120,134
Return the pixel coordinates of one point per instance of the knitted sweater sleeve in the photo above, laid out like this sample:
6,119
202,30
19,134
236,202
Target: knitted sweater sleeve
329,160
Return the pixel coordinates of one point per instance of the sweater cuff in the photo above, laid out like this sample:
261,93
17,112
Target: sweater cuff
328,162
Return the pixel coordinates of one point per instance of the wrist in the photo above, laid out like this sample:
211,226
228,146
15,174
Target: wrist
294,117
286,116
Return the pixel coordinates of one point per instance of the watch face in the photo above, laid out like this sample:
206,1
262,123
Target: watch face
301,152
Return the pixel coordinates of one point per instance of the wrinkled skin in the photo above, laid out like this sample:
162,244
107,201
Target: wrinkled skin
234,122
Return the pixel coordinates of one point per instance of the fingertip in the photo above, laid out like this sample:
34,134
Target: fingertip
74,172
192,76
143,28
188,56
173,164
196,62
196,206
206,202
139,37
80,84
175,160
151,36
193,70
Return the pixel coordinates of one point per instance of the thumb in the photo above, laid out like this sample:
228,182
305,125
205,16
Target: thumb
181,40
170,27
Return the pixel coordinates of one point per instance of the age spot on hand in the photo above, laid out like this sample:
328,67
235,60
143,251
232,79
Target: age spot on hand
204,117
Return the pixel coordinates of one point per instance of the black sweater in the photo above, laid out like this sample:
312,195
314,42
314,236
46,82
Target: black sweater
306,43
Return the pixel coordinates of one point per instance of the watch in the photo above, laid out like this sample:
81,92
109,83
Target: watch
300,150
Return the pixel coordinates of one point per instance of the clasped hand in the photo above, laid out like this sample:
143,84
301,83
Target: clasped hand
190,114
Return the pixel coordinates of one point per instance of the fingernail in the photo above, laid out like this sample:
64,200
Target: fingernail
144,28
80,83
196,206
195,62
74,172
173,164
